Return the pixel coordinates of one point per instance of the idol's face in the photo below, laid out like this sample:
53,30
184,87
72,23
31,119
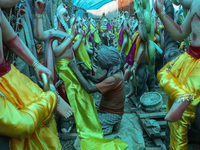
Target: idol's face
66,16
105,21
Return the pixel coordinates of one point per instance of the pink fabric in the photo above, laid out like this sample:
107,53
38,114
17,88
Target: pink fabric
194,51
156,42
5,67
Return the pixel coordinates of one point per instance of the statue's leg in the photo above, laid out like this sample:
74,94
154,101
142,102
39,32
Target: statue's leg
151,81
132,89
141,74
127,72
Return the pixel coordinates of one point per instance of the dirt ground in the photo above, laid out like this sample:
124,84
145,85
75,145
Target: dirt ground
68,144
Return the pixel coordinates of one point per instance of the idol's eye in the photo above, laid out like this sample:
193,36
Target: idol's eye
65,14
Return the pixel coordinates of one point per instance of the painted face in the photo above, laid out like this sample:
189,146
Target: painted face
79,21
105,21
93,22
65,16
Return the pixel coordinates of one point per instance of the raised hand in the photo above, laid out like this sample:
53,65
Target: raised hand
74,30
41,69
158,6
72,64
82,33
40,6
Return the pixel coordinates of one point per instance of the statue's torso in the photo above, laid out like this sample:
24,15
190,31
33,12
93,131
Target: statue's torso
194,13
69,53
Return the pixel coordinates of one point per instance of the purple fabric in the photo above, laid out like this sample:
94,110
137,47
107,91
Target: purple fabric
120,41
109,28
131,54
156,42
90,38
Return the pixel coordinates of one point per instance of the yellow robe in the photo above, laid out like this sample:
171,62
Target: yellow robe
26,113
85,113
96,35
128,46
180,78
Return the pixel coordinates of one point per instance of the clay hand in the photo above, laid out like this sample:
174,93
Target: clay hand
88,28
72,64
74,30
40,6
82,33
138,15
158,6
42,69
133,70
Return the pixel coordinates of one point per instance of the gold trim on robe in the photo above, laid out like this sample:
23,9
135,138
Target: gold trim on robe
21,112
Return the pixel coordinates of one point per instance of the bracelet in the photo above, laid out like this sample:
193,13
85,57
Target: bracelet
35,64
39,16
160,15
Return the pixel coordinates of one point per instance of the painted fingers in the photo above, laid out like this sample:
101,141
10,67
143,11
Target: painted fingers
40,6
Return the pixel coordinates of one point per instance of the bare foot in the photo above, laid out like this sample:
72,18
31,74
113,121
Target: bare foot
63,108
177,110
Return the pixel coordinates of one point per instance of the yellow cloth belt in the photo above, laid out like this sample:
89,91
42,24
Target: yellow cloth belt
96,34
179,78
21,112
81,53
128,46
85,113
